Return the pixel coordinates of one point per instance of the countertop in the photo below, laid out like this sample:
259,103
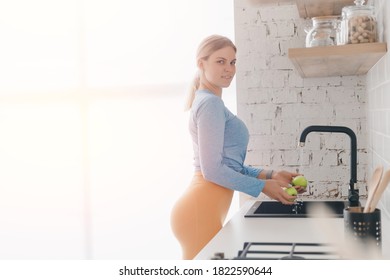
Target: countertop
230,239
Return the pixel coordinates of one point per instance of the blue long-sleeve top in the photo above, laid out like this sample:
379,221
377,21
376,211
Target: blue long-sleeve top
220,140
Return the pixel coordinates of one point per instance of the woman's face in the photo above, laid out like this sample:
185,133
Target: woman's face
220,68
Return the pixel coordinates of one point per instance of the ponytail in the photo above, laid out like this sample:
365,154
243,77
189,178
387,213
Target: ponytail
191,93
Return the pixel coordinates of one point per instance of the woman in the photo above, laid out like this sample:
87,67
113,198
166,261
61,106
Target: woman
220,141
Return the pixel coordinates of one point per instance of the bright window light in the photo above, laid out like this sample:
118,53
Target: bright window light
95,148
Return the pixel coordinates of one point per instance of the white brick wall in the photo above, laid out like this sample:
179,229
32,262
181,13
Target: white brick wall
277,104
378,118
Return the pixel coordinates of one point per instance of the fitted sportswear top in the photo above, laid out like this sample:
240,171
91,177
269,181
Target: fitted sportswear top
220,141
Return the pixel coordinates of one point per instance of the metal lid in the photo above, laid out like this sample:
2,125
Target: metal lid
359,6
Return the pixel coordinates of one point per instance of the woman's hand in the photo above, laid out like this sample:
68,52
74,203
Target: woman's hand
284,176
287,177
274,189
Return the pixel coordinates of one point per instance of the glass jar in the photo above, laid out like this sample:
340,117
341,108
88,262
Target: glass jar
358,24
323,31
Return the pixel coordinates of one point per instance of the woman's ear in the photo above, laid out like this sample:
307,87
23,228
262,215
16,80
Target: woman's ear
200,64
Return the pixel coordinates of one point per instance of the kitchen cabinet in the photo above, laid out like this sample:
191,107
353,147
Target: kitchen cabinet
346,60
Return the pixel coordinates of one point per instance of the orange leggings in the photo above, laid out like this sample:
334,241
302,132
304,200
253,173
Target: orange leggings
199,214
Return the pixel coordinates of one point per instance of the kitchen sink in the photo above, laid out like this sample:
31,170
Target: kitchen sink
301,209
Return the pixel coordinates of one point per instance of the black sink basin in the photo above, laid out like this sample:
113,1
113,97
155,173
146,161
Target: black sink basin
300,209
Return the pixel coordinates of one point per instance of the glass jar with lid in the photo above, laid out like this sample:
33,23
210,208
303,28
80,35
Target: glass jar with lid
359,24
323,31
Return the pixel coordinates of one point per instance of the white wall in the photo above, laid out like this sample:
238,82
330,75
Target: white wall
378,95
277,104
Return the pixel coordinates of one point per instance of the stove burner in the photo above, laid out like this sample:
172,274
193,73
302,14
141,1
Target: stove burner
286,251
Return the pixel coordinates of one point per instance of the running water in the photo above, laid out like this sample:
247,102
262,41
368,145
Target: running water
297,207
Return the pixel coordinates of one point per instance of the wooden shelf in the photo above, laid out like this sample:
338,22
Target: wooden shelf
346,60
315,8
311,8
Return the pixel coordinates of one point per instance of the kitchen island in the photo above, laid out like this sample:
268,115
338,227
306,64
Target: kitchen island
239,229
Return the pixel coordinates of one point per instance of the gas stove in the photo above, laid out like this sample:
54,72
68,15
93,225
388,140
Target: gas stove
284,251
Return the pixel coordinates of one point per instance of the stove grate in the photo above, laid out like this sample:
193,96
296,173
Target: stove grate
286,250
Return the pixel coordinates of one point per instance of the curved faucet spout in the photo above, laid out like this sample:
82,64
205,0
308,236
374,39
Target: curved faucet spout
353,195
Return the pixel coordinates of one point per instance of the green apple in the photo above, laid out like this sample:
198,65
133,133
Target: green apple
291,191
299,181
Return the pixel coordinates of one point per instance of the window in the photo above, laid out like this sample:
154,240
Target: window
94,148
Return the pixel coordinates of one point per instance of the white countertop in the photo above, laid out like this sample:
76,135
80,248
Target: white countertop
230,239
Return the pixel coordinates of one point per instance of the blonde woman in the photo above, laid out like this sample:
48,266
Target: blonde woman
220,142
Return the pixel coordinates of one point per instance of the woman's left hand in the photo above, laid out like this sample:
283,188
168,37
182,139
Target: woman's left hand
284,176
287,177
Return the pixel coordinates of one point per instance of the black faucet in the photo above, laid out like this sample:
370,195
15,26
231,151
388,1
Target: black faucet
353,195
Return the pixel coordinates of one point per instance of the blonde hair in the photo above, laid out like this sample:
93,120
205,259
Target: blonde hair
208,46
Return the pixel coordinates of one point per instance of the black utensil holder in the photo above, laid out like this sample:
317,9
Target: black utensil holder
364,227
